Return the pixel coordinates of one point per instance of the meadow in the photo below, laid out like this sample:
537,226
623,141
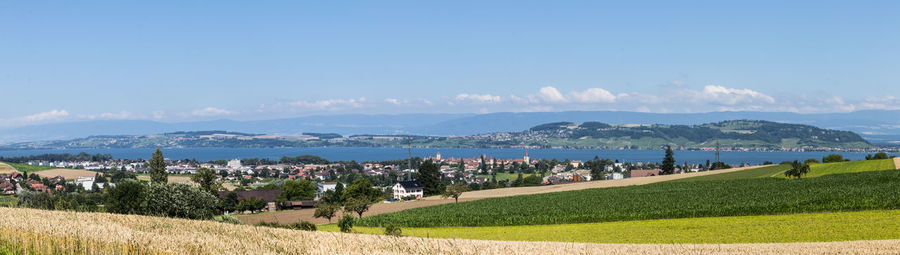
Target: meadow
811,227
817,170
31,231
30,168
738,197
762,172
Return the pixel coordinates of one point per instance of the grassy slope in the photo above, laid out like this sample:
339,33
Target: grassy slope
30,168
8,201
758,196
850,167
761,172
814,227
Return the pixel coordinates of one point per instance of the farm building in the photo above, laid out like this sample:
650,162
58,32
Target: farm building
408,189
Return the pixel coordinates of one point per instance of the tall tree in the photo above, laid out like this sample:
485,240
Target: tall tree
158,168
206,178
326,210
797,169
430,178
668,163
297,190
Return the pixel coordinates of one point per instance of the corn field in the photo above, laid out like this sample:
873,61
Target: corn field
31,231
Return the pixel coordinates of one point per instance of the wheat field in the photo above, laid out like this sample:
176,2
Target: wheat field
31,231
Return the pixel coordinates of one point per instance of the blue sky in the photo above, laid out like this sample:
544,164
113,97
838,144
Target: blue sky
192,60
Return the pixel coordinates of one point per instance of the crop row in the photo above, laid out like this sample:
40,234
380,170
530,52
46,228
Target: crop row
759,196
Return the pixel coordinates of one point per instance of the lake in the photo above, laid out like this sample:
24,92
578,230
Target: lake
375,154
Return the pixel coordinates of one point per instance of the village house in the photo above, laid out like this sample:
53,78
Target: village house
644,173
409,189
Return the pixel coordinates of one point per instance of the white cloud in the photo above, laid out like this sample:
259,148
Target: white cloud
485,98
330,104
551,94
393,101
211,112
53,115
593,95
730,96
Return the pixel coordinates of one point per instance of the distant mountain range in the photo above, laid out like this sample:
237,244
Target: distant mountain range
878,127
735,134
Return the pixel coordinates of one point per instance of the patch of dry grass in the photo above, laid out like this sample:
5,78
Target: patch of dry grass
66,173
6,169
54,232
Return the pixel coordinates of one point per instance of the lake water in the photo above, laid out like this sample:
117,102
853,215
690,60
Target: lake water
374,154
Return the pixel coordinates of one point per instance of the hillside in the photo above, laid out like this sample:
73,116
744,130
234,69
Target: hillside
873,125
737,134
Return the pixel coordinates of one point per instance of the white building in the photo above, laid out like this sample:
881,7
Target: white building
326,186
408,189
615,176
234,164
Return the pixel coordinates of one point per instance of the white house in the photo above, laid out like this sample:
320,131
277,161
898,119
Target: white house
408,189
615,176
326,186
234,164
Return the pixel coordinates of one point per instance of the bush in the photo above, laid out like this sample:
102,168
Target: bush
346,223
831,158
303,225
251,204
127,197
392,230
229,219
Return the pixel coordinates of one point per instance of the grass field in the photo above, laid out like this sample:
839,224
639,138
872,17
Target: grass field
25,231
172,178
766,171
813,227
8,201
30,168
817,170
505,176
757,196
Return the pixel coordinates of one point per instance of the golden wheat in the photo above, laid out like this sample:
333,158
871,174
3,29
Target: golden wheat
31,231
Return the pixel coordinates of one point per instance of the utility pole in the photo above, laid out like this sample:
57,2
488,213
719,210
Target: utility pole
409,155
717,150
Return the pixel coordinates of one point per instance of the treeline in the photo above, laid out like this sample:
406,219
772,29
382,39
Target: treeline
58,157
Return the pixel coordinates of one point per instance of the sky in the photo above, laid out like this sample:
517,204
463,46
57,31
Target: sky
175,61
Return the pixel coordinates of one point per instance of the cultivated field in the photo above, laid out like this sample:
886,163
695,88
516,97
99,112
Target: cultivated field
850,167
171,178
27,231
291,216
6,168
66,173
897,163
807,227
755,196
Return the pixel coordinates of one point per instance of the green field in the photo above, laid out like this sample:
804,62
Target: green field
739,197
505,176
812,227
761,172
8,201
30,168
817,170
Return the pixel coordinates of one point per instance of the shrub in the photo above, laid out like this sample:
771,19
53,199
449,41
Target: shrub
346,223
808,161
251,204
229,219
303,225
180,200
832,158
127,197
392,230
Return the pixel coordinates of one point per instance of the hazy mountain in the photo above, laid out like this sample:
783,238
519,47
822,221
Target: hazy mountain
878,127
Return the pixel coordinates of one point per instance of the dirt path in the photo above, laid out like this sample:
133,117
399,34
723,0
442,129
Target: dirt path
897,163
291,216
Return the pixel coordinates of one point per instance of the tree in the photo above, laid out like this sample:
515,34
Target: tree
158,172
797,169
455,191
127,197
832,158
668,163
326,210
361,188
358,205
596,169
206,178
430,178
297,190
229,204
